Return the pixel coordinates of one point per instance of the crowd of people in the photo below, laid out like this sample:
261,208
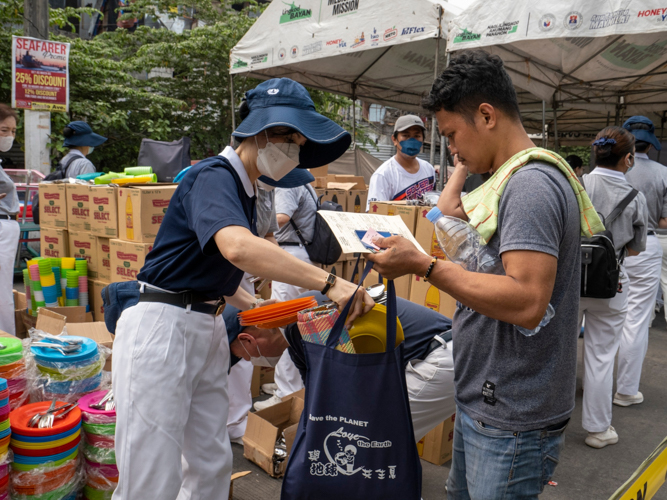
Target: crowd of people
249,213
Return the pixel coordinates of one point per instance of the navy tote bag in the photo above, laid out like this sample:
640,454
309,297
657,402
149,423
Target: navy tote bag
355,438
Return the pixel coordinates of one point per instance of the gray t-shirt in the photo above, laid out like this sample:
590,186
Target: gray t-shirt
80,166
299,204
502,377
9,205
266,213
606,188
650,178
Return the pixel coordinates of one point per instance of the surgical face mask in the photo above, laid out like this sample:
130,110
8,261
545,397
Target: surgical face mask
262,360
91,149
411,147
265,186
632,165
277,160
6,143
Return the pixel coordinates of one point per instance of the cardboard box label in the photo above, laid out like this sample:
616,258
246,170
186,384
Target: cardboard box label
356,201
103,211
103,258
78,207
95,297
427,295
425,235
52,205
83,244
141,211
53,242
127,259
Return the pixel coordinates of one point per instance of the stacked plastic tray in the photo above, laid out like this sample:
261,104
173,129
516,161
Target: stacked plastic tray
13,371
99,427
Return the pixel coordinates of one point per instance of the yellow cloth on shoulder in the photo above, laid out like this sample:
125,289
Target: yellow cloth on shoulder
481,205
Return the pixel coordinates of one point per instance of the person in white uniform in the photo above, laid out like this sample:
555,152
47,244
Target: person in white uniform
9,228
607,188
403,176
171,352
649,178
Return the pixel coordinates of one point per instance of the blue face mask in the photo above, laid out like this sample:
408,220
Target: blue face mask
411,147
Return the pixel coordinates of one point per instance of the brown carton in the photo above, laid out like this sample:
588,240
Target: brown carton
436,446
103,258
103,211
425,234
20,307
356,200
54,242
336,268
402,284
83,244
260,375
349,268
141,209
52,205
407,212
263,429
425,294
127,259
357,180
78,207
336,195
95,288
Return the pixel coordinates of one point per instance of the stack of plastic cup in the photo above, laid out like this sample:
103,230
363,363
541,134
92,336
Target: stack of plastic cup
12,369
138,170
36,287
28,295
83,292
81,265
45,460
59,290
72,290
99,427
66,263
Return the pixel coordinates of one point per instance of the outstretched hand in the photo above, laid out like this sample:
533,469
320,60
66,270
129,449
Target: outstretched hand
399,258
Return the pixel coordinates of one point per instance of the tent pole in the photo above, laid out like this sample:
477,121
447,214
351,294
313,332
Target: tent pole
231,100
354,115
544,123
555,106
435,76
443,176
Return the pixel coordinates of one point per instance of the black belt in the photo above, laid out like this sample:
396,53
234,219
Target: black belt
183,300
289,244
650,233
435,343
7,217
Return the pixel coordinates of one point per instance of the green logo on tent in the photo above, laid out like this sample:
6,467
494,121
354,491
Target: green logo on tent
513,30
631,56
240,64
467,36
294,13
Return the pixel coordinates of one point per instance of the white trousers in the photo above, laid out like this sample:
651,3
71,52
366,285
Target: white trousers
431,389
170,385
644,277
287,376
604,327
662,239
9,241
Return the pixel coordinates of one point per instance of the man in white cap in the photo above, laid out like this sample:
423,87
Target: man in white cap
403,176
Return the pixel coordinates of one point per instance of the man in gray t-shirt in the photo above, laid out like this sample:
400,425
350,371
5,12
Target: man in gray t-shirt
515,393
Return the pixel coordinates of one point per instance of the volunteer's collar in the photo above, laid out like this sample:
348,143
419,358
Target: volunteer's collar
607,172
76,152
236,162
641,155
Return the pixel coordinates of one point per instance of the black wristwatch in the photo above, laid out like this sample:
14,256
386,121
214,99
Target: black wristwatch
331,279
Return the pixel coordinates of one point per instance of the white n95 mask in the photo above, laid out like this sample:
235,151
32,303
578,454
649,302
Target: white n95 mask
262,360
6,143
277,160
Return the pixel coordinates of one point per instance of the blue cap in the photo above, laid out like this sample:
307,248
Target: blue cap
232,322
82,135
643,135
281,102
296,178
434,214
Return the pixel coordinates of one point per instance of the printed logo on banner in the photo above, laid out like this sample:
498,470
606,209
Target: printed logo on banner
390,34
546,22
375,38
312,48
573,20
359,41
412,30
340,7
294,12
660,14
239,63
502,28
259,58
294,51
282,54
337,43
628,55
467,36
599,21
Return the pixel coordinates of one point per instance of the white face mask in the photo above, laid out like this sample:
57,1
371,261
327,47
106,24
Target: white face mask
6,143
265,186
277,160
262,360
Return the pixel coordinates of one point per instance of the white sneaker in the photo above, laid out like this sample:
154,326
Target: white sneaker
273,400
238,440
269,388
623,400
602,439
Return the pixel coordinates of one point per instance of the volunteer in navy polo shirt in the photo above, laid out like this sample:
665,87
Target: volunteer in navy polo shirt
171,353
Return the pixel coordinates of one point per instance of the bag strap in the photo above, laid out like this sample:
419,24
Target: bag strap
621,206
337,330
296,229
66,166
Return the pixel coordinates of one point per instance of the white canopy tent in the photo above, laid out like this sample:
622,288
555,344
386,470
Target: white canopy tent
593,63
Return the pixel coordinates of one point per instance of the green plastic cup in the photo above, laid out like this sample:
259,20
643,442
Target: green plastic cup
138,170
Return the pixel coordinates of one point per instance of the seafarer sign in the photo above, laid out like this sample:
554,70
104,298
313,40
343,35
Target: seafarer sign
40,74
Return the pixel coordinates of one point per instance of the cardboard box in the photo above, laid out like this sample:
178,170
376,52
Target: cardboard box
298,394
20,306
356,200
321,172
425,294
236,475
336,195
103,253
436,446
407,212
103,211
402,284
127,259
95,298
260,375
141,209
336,181
349,268
263,429
336,268
78,207
52,205
83,244
53,242
425,234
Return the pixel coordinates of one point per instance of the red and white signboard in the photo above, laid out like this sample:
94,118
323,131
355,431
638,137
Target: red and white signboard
40,74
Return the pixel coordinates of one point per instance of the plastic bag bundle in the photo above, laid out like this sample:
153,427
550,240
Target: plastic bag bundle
99,428
45,464
13,370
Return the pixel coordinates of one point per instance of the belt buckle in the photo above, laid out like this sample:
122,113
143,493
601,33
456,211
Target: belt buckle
220,309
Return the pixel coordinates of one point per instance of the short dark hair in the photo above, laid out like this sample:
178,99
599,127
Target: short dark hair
6,111
610,154
473,78
574,161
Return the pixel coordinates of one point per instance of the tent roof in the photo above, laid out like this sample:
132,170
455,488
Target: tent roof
382,51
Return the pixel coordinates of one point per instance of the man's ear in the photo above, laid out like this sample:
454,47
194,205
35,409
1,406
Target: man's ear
488,115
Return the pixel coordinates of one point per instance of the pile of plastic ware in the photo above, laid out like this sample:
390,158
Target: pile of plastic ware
51,282
131,175
13,371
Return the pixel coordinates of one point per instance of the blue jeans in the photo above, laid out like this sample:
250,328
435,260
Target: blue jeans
493,464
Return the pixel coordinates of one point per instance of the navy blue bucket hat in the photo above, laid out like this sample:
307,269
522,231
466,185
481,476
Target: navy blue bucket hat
80,134
296,178
640,134
232,322
281,102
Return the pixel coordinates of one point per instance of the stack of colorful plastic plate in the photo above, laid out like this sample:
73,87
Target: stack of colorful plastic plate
99,427
44,459
12,368
276,315
68,376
